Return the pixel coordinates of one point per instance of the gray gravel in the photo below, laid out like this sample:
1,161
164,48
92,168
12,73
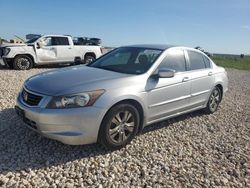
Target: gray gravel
194,150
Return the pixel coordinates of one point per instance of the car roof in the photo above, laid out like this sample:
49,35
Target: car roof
152,46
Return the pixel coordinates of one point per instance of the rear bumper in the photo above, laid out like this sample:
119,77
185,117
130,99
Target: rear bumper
75,126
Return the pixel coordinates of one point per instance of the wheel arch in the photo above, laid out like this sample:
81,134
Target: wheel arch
28,55
136,104
89,54
219,85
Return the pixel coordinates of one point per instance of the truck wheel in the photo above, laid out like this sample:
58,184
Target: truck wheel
88,59
23,62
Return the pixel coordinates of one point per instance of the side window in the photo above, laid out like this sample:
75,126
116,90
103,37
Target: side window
60,41
207,62
174,60
150,54
47,41
196,60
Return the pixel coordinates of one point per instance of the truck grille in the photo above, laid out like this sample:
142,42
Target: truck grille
30,98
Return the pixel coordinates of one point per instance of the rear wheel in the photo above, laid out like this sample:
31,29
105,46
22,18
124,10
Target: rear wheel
214,100
88,59
119,126
22,62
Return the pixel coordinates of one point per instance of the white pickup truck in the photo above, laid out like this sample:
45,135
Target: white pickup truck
48,49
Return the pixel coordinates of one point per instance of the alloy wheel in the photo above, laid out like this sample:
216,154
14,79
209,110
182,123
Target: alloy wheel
121,127
214,100
23,63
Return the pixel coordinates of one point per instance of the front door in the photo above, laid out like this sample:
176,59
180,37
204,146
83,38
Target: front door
168,96
55,50
46,52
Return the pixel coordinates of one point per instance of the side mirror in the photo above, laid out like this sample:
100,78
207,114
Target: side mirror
39,45
166,73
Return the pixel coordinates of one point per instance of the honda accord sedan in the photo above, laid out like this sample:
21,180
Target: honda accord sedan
112,99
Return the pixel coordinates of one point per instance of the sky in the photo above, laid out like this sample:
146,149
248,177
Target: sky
219,26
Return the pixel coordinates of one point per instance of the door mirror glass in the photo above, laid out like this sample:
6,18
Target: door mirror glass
166,73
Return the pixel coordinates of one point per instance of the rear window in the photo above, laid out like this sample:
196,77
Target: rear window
60,41
207,62
196,60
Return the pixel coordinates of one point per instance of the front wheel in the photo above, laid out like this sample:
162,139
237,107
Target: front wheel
214,100
23,62
119,126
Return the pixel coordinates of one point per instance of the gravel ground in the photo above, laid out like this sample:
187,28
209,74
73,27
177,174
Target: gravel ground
194,150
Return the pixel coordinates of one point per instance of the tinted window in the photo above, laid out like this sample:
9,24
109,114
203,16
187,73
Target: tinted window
196,60
174,60
60,41
130,60
207,62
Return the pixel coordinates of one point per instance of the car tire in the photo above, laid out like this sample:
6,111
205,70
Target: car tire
119,126
214,100
22,62
88,59
77,61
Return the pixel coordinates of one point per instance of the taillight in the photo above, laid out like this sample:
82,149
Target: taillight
102,50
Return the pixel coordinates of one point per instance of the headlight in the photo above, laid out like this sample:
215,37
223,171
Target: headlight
75,100
6,51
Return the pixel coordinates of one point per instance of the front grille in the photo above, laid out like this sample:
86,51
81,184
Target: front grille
30,98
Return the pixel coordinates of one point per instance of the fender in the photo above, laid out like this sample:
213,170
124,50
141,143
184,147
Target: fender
21,50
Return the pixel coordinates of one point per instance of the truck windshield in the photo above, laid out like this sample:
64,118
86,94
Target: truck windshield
129,60
32,40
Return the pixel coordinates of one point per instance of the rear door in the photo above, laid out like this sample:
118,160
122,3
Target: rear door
202,77
168,96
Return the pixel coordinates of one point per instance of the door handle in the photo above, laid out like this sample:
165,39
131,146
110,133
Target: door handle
185,79
52,48
210,74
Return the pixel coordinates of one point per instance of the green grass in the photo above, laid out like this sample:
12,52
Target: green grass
230,62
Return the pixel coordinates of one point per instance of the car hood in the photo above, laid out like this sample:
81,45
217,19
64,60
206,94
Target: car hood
72,80
12,45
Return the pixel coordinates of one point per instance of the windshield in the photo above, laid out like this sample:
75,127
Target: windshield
129,60
32,40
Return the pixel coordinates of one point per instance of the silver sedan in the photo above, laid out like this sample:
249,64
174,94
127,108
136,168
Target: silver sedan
112,99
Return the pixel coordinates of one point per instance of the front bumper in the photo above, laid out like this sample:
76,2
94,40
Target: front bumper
2,62
75,126
6,61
